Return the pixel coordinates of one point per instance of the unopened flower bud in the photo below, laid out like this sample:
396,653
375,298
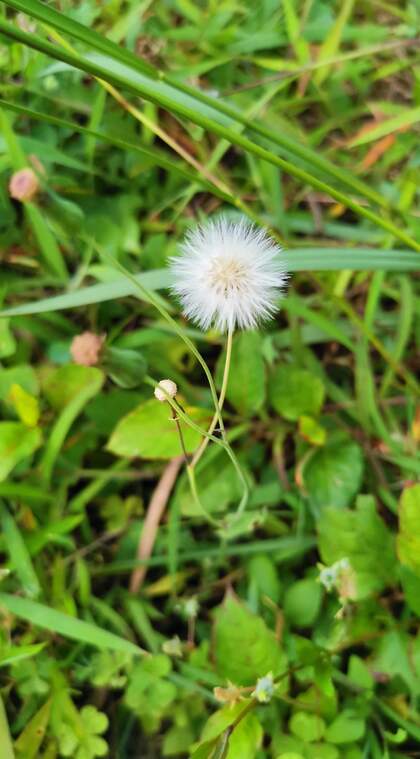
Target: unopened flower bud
23,185
85,348
164,389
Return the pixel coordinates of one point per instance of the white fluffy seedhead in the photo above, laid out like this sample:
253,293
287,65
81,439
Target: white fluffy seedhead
229,274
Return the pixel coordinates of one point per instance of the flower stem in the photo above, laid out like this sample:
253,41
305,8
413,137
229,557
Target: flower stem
204,443
179,331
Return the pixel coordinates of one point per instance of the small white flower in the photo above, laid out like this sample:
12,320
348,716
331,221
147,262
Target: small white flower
229,274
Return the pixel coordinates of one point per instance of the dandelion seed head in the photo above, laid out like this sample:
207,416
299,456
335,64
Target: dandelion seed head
229,274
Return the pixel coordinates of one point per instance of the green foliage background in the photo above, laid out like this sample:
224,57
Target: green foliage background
138,120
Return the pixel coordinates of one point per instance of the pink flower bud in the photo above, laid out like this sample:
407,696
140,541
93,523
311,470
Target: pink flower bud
85,348
23,185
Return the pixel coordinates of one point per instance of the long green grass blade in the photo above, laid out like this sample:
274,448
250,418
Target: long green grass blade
302,259
212,106
404,120
162,94
62,624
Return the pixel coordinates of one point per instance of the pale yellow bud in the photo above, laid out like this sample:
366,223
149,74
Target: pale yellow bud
164,389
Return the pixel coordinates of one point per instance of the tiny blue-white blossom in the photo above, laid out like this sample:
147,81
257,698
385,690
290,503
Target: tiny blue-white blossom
264,689
229,274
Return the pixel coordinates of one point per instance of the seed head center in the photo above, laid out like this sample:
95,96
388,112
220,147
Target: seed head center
227,275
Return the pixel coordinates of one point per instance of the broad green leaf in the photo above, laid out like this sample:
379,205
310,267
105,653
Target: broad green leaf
395,657
23,375
244,648
295,392
362,537
408,541
333,474
347,727
246,738
26,405
19,554
246,385
55,621
17,442
302,602
307,727
150,432
74,405
62,385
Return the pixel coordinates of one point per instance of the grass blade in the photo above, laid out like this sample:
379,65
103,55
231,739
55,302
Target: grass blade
62,624
298,259
160,93
153,155
210,105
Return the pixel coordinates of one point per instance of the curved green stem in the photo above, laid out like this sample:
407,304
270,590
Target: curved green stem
204,443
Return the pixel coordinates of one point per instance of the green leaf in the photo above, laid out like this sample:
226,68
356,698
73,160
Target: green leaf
75,401
307,727
244,648
17,653
362,537
295,392
246,738
347,727
408,541
18,553
5,738
302,602
29,742
312,431
333,475
149,692
62,385
25,404
7,340
125,367
410,582
71,627
150,432
246,386
22,375
17,442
